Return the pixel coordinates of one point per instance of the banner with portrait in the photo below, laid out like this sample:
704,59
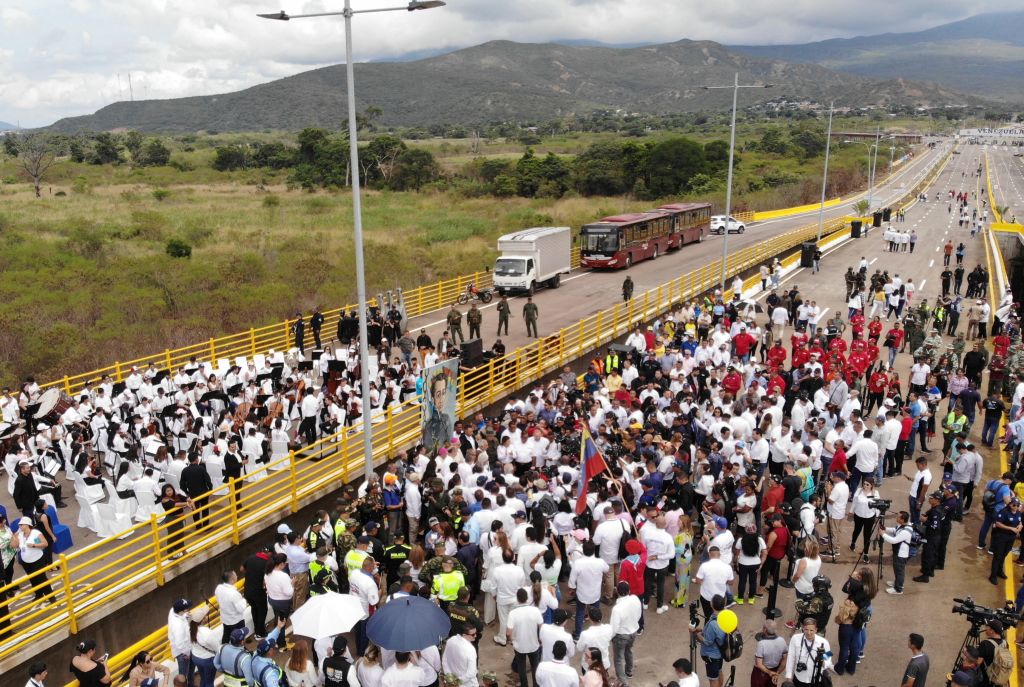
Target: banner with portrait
440,394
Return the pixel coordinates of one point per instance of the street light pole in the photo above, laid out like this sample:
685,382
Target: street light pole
824,176
732,151
357,209
873,163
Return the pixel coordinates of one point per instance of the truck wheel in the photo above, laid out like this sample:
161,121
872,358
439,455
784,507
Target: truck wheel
629,260
532,289
554,282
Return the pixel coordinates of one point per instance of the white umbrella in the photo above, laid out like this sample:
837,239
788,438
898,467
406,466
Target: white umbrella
326,615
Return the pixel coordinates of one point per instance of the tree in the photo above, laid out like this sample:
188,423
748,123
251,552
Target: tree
809,142
37,153
228,158
133,144
671,164
76,150
599,170
310,139
415,167
154,153
364,119
106,149
11,144
381,157
772,142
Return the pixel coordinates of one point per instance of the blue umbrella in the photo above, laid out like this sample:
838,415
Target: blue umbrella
408,623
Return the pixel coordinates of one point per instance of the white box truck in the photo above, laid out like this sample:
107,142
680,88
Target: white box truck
531,258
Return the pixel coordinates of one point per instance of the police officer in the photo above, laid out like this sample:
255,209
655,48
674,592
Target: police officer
354,558
316,322
933,535
454,320
627,288
530,315
319,564
316,537
446,585
612,362
264,670
322,582
504,311
394,556
463,613
953,510
234,661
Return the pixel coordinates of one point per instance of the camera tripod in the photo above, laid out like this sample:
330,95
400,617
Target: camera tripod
972,638
874,537
833,545
818,673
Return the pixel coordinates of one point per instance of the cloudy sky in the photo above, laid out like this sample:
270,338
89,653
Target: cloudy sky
69,57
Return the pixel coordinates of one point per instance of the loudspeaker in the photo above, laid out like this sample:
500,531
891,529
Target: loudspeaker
471,352
855,229
807,253
876,219
886,214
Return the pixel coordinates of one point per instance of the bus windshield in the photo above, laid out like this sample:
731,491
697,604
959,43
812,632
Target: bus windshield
600,240
510,267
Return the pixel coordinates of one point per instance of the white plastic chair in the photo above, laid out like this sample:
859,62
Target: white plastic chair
216,470
112,523
121,506
11,466
91,492
241,362
147,505
88,516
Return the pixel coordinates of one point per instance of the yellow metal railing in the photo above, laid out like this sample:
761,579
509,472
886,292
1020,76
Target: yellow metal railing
149,553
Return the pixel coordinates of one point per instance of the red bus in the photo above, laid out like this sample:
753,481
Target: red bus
621,240
692,220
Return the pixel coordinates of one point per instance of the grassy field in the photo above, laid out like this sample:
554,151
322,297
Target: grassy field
85,280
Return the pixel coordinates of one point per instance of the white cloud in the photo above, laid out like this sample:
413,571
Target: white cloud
69,64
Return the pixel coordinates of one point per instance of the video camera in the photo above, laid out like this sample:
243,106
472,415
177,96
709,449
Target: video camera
981,615
880,504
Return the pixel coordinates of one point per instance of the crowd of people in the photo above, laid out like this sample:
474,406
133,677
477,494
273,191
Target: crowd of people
712,463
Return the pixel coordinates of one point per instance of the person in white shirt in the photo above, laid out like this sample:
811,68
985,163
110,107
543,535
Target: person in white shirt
837,492
625,622
685,677
899,537
722,537
524,623
803,650
586,576
598,636
865,451
607,536
178,635
460,657
661,549
508,578
557,672
231,603
714,578
918,488
403,673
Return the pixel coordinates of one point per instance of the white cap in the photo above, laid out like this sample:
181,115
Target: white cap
284,529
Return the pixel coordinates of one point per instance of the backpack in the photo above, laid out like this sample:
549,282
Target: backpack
732,647
1002,663
988,499
547,506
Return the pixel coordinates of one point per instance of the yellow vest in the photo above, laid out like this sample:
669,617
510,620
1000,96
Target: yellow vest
446,585
354,559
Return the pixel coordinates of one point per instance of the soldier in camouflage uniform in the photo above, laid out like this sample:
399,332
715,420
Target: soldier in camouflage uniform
819,605
851,282
959,345
910,330
924,313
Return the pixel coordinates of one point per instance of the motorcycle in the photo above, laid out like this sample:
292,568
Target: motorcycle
474,294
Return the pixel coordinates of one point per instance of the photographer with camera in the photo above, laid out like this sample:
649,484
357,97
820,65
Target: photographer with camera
809,656
900,537
995,655
865,511
712,638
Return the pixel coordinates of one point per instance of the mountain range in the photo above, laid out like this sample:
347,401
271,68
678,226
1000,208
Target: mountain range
503,80
4,126
983,55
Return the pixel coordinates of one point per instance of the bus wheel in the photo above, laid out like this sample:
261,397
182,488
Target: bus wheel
700,237
629,260
655,256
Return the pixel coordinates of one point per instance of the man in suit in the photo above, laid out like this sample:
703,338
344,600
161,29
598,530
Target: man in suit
196,483
234,463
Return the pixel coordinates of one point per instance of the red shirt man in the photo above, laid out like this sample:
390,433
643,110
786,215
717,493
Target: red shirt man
894,338
1000,344
777,355
777,384
800,356
837,344
875,330
798,340
857,323
879,381
838,461
732,382
743,342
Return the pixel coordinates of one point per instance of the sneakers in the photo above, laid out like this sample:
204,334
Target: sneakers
893,590
921,578
980,547
890,584
663,609
750,600
740,601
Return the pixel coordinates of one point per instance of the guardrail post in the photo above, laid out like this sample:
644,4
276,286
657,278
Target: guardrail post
292,481
158,561
232,491
117,372
65,579
579,336
167,358
391,427
213,350
67,385
647,303
252,341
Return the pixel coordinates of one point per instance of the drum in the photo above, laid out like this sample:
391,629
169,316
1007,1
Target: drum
52,405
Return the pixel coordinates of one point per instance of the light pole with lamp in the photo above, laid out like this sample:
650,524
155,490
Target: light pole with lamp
732,148
357,210
824,176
